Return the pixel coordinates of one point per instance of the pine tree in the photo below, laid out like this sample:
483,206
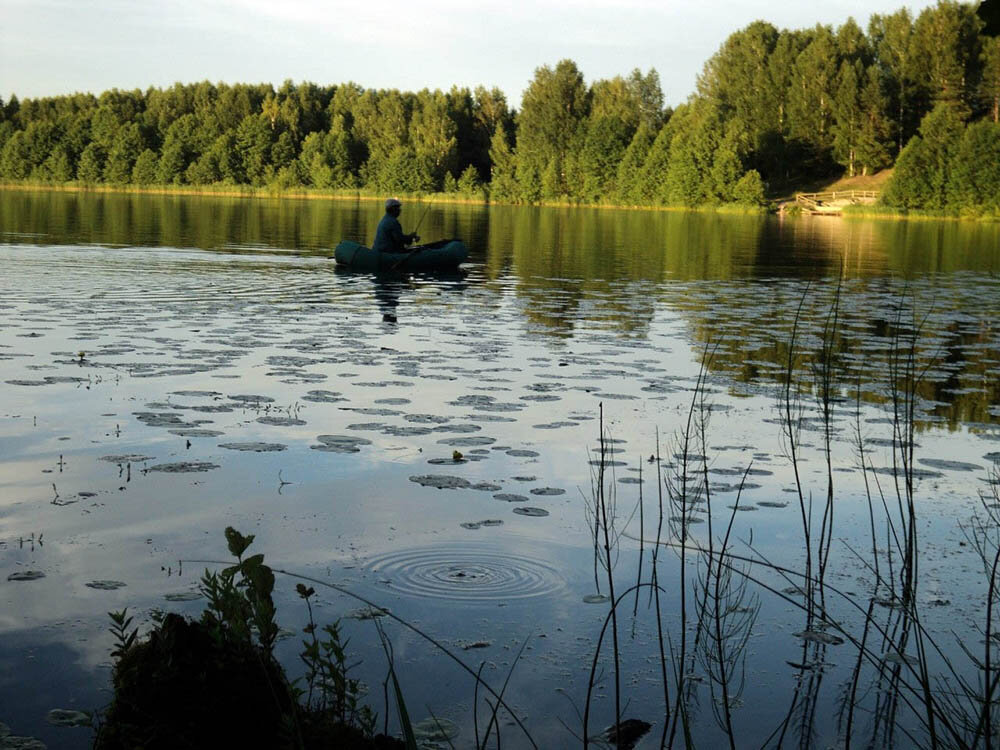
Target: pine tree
629,179
503,173
974,175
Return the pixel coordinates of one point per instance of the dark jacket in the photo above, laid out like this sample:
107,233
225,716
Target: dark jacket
389,237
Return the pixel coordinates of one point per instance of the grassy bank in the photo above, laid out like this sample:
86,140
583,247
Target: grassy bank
304,193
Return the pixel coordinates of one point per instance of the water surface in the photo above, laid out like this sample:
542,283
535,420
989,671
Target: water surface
170,366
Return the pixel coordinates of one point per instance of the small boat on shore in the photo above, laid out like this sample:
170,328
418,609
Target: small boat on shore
435,256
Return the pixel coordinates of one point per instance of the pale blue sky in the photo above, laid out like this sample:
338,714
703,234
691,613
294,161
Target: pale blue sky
50,47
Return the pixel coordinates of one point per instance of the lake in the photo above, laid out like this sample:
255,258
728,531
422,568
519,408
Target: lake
171,366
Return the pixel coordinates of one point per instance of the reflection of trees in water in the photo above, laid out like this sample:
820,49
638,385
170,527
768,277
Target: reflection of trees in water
589,265
957,343
612,269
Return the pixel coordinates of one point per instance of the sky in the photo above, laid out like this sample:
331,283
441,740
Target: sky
51,47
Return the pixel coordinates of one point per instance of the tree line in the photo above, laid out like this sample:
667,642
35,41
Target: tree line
771,107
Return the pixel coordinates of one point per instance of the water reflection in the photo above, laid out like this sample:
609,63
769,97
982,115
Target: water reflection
251,385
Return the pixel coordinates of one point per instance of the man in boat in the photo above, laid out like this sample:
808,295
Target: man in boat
389,237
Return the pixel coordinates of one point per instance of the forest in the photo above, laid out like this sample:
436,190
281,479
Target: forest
773,109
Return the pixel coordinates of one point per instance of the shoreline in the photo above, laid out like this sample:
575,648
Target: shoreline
249,191
774,206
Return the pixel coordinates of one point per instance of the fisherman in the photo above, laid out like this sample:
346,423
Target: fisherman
389,237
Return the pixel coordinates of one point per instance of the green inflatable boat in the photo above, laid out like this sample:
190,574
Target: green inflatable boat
443,255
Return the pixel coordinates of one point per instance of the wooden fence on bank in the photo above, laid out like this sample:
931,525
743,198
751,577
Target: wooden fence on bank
834,201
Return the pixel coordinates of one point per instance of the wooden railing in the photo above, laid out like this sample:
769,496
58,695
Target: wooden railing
835,199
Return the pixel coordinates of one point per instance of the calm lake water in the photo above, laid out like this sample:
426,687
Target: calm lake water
170,366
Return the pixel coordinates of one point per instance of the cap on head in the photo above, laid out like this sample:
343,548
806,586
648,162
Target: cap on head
392,203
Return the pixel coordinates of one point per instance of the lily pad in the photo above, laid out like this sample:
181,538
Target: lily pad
281,421
441,481
547,491
366,613
943,463
426,418
406,430
522,453
65,717
26,575
819,636
435,729
184,467
596,599
183,596
510,497
485,486
252,399
126,458
323,397
528,510
461,442
105,585
254,447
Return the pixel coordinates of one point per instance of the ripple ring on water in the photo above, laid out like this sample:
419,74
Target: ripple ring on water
466,574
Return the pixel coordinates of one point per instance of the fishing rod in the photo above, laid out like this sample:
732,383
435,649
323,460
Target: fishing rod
421,220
